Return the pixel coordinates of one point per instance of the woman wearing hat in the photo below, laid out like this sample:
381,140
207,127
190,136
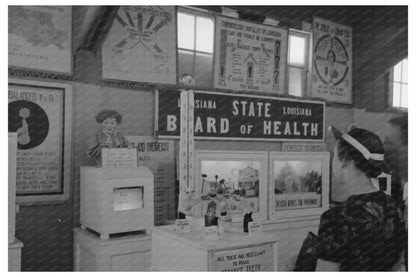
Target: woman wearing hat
363,231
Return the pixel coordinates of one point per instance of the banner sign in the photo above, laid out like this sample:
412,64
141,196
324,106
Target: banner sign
258,258
141,45
237,117
250,56
40,38
332,61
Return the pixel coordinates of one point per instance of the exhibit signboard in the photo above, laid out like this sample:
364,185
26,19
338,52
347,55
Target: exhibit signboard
249,56
258,258
40,38
41,115
243,117
141,45
158,156
332,61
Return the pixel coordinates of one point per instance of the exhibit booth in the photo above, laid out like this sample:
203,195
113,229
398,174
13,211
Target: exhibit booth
133,150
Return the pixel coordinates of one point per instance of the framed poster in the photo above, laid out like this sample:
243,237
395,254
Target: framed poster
249,56
299,184
224,116
40,37
332,61
141,45
41,115
238,178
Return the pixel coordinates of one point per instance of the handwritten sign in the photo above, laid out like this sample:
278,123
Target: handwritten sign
251,56
182,226
255,228
119,157
211,233
258,258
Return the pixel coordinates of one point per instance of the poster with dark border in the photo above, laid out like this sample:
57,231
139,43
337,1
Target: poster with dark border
141,45
249,56
224,116
332,61
40,114
40,37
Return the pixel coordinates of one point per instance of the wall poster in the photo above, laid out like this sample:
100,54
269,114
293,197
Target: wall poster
141,45
40,38
41,115
158,156
332,61
249,56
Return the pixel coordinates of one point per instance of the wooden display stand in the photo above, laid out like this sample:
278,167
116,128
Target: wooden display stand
116,199
15,254
234,251
124,253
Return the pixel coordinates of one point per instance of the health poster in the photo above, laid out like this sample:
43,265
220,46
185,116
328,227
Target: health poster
249,56
332,61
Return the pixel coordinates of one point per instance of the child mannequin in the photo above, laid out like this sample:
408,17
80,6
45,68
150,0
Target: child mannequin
107,136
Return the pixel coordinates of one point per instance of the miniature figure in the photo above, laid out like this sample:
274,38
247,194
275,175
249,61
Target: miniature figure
107,136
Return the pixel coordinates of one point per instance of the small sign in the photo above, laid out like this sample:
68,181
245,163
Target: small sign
257,258
182,226
211,233
119,157
302,147
255,229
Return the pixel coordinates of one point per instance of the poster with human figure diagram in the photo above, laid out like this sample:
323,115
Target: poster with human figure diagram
332,61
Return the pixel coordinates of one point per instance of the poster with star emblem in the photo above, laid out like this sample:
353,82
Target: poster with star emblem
141,45
249,56
332,61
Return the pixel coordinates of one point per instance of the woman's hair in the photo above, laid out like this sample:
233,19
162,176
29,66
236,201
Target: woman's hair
401,120
347,152
103,114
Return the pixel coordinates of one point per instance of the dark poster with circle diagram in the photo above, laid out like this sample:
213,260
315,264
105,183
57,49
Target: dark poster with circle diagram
332,61
36,114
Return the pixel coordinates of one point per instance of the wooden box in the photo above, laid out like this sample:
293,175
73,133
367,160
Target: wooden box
116,200
124,253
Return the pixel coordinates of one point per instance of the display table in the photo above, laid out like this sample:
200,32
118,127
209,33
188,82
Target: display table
234,251
15,255
123,253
